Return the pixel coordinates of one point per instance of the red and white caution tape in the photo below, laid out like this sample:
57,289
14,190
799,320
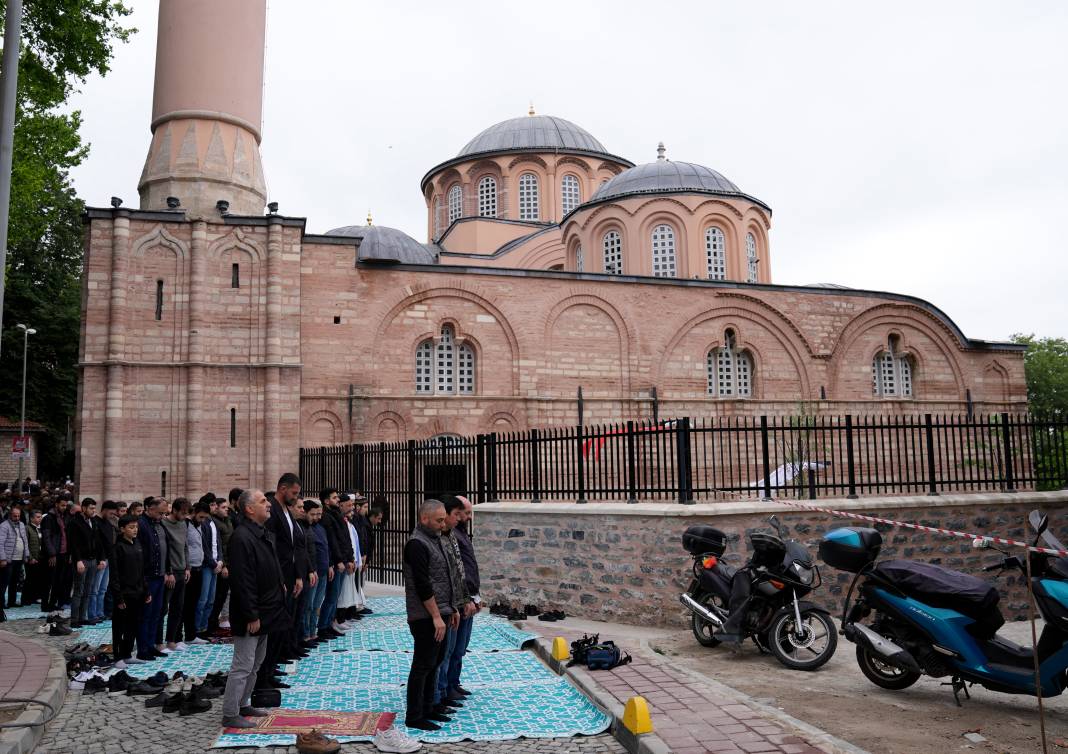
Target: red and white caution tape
920,527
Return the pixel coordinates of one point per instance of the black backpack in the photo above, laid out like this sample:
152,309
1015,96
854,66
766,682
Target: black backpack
597,655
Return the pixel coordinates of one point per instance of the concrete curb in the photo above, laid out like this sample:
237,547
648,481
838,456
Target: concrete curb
647,743
53,691
816,736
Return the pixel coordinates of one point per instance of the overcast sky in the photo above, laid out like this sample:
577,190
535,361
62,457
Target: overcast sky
919,148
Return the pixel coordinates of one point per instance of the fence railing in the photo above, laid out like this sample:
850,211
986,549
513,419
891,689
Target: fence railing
688,460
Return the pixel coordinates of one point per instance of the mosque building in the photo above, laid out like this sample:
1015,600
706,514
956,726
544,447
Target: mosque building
219,336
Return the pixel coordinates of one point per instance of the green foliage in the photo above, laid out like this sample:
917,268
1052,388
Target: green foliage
1046,367
63,42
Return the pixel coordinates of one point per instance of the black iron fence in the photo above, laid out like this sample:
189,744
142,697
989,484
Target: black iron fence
688,460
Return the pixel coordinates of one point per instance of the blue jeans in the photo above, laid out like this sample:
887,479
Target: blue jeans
150,618
312,606
206,600
97,591
442,689
329,608
456,661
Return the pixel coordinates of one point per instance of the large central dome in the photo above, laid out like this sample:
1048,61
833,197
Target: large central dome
533,132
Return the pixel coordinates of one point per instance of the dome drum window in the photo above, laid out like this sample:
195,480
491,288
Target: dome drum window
487,197
664,265
529,208
729,371
612,244
444,367
580,259
570,196
751,258
891,372
456,204
716,253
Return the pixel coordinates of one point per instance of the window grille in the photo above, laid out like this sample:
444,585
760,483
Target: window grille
716,253
613,253
730,372
891,373
528,197
569,193
456,203
751,257
580,259
664,251
487,197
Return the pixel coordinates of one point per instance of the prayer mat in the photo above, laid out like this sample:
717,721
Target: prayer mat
198,660
489,634
329,722
31,612
386,606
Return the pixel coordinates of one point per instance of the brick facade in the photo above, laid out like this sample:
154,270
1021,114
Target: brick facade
306,324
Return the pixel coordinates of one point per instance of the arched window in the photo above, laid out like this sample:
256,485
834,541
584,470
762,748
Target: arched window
730,371
613,252
751,257
664,252
891,373
528,197
580,259
716,253
487,197
444,368
456,203
569,193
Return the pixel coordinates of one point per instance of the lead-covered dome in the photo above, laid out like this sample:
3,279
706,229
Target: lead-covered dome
380,243
533,132
666,176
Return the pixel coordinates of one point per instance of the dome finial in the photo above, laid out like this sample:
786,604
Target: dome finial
660,152
530,112
368,218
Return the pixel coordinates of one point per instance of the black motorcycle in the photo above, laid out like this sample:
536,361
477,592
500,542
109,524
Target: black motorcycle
800,634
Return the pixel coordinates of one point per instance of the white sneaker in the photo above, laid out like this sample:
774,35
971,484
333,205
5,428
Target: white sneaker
180,646
198,641
224,624
135,661
395,740
120,665
165,650
339,627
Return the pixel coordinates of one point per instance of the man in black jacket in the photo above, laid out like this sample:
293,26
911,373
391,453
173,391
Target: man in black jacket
257,606
342,560
127,587
57,579
291,553
461,533
84,547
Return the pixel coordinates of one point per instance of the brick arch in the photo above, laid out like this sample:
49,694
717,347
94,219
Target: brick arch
154,256
390,417
761,215
735,315
418,296
623,332
159,236
579,163
610,167
718,204
588,217
742,342
314,427
532,158
484,167
995,372
235,239
775,314
895,317
505,417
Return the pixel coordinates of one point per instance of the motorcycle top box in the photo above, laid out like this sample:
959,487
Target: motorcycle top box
700,539
850,548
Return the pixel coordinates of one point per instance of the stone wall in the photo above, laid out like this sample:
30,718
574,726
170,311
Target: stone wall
619,562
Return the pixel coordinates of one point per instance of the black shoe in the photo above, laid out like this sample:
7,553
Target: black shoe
549,617
119,682
517,615
193,706
462,691
205,692
531,609
158,700
366,611
156,654
143,688
273,684
161,679
76,624
444,708
423,724
95,685
436,717
174,703
455,697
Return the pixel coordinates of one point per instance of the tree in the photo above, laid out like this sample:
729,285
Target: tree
1046,369
63,42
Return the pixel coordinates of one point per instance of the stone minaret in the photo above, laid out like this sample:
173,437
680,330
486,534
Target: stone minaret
207,108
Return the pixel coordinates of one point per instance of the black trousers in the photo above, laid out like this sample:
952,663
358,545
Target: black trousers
189,609
58,589
222,588
423,678
124,624
279,644
36,582
9,580
175,602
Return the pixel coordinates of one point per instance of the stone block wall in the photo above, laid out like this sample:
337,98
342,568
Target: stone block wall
626,563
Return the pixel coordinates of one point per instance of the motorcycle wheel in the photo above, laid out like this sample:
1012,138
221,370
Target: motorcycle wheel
702,629
883,674
807,649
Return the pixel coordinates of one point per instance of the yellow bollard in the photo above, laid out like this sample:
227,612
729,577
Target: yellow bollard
561,651
636,716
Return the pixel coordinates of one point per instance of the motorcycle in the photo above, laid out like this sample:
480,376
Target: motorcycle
800,634
929,620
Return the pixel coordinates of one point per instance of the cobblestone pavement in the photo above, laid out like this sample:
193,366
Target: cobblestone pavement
103,724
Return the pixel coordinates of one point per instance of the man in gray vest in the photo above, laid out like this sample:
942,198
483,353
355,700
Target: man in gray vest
431,591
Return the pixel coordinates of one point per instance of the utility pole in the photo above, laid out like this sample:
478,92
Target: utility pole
27,332
9,76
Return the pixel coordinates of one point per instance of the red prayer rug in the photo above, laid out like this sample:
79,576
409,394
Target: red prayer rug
328,722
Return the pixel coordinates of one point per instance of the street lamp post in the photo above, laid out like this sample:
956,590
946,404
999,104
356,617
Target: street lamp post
27,332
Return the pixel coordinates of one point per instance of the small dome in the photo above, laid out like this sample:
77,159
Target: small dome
533,132
666,176
383,244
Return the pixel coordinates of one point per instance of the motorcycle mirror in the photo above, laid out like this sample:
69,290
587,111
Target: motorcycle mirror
1043,524
1035,518
776,524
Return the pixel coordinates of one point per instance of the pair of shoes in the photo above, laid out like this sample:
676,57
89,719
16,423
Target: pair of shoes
422,724
237,722
59,629
316,743
143,688
253,712
531,609
455,696
552,616
119,682
462,691
95,685
394,740
517,615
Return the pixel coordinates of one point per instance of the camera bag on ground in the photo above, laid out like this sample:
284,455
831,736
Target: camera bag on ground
596,654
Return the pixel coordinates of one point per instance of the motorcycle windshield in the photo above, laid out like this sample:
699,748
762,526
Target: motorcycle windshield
796,553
